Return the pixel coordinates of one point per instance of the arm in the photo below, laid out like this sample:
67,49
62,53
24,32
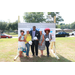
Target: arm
42,40
25,38
50,37
20,39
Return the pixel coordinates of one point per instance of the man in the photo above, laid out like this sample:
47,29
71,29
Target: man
35,34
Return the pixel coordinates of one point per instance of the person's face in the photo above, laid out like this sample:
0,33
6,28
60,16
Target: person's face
22,33
27,32
47,32
34,28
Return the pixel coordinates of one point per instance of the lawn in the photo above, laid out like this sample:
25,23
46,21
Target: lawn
65,49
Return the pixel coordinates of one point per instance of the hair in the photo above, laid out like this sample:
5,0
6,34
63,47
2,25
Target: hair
34,26
47,30
21,31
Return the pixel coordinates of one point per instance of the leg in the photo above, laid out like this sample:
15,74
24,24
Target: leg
32,48
20,53
36,48
47,46
27,52
47,51
41,52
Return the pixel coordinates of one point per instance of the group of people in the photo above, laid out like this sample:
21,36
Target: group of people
38,39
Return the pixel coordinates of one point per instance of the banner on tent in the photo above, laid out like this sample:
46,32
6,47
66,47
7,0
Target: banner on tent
39,27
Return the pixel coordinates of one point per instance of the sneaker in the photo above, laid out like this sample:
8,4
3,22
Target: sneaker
47,55
36,56
33,55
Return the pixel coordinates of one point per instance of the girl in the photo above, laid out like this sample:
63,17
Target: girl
21,43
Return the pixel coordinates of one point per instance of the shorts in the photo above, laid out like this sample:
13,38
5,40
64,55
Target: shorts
22,49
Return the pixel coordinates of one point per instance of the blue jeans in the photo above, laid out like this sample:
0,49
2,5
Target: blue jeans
28,47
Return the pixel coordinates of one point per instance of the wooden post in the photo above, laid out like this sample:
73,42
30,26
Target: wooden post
53,50
53,43
17,51
18,19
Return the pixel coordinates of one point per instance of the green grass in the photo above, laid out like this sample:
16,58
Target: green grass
65,49
8,49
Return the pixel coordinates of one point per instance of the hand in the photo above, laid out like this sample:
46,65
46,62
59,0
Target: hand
41,44
50,40
27,42
37,39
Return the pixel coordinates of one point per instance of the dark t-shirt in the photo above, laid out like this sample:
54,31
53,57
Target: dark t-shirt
47,36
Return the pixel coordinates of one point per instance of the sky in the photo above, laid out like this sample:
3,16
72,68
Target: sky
67,16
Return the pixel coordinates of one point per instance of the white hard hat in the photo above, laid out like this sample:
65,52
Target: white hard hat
47,39
30,42
35,38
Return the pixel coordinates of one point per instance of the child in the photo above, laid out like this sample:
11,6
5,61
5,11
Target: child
21,43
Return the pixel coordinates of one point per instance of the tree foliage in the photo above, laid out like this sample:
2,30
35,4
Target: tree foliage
8,26
66,26
34,17
50,17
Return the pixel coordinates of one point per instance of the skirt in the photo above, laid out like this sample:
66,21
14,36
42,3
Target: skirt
42,47
21,46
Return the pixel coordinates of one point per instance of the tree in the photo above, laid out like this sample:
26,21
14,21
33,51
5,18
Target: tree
50,17
73,25
3,26
58,26
62,23
34,17
8,27
14,25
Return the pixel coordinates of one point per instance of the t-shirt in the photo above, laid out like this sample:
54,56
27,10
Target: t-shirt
28,38
33,34
47,36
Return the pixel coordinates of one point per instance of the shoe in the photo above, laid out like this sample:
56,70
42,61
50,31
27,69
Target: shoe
27,56
33,55
41,55
47,55
36,56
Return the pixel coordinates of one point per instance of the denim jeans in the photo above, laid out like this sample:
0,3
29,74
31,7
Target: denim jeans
47,46
27,50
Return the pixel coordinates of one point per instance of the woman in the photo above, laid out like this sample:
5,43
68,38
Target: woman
21,45
27,38
41,43
48,38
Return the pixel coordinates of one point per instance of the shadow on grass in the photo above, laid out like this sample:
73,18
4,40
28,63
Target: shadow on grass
63,59
44,59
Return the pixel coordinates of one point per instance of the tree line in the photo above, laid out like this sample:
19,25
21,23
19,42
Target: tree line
66,26
8,26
